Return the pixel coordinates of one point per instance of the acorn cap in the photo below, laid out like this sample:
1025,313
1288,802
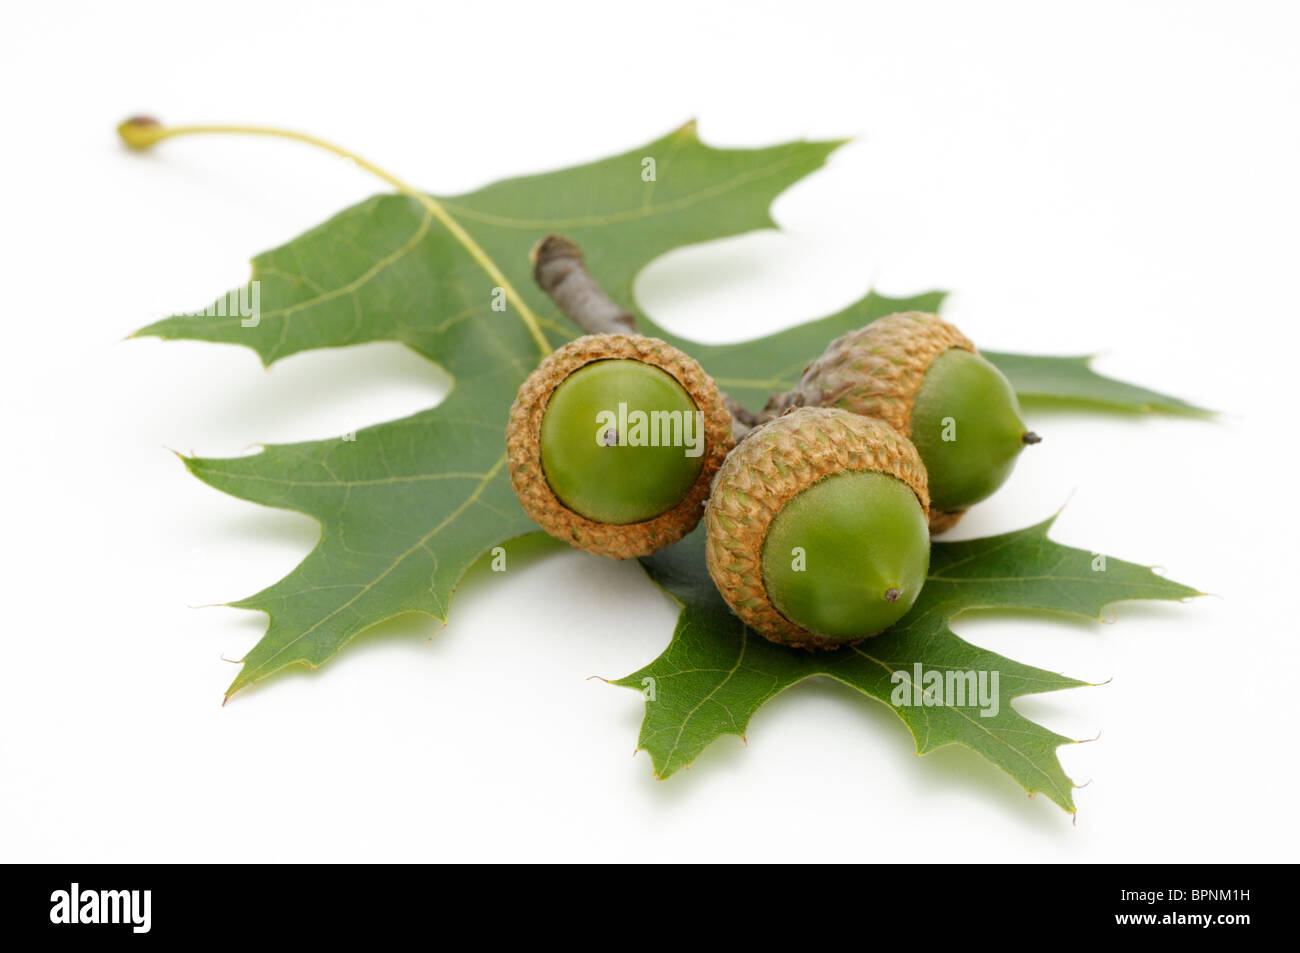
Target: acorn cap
770,467
876,371
524,454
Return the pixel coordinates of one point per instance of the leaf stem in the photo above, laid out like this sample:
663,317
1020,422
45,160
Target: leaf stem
142,132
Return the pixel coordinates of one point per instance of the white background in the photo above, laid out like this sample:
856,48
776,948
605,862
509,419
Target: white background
1093,177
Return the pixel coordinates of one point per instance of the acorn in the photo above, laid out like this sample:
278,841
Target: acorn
817,528
613,441
923,377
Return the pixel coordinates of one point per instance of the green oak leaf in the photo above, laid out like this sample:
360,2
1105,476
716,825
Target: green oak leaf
716,673
407,506
1069,381
752,370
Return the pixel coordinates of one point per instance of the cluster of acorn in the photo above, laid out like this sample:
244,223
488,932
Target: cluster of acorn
818,511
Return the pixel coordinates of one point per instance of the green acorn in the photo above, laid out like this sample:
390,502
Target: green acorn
613,441
817,528
922,376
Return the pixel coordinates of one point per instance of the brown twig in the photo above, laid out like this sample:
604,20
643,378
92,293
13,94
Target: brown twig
561,271
742,420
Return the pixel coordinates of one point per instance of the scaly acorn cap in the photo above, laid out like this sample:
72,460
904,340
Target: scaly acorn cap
769,468
524,454
876,371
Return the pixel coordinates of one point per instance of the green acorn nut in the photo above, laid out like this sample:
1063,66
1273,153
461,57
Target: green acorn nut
613,441
922,376
817,528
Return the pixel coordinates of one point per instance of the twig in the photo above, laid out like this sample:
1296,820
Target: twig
561,271
742,420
